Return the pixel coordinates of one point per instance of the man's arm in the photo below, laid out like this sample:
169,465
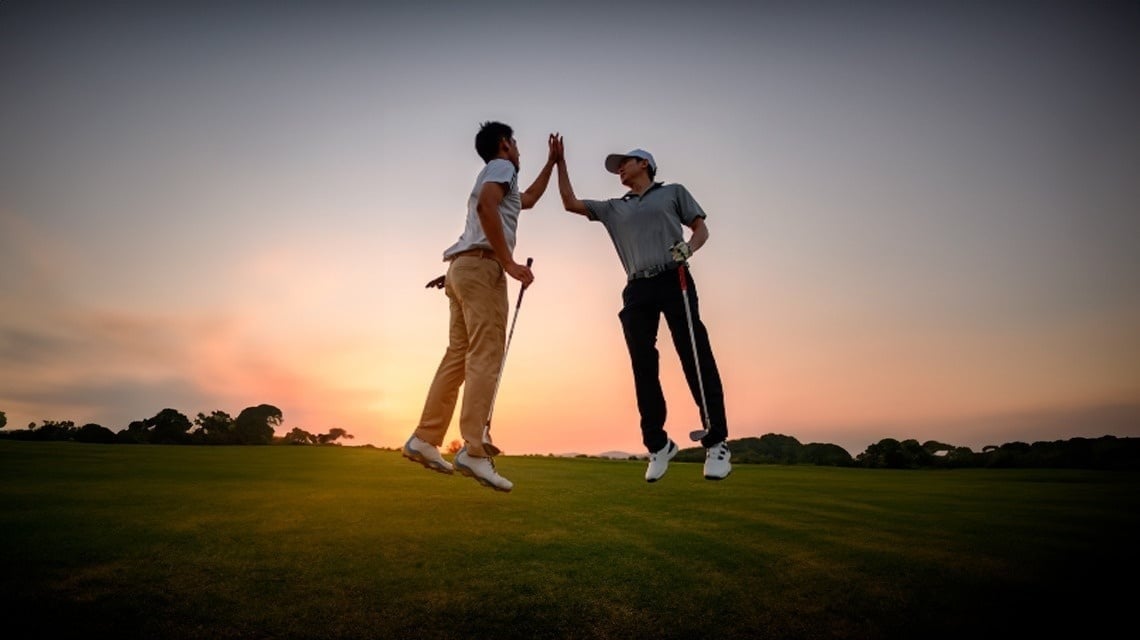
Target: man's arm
490,196
700,234
565,189
538,187
682,251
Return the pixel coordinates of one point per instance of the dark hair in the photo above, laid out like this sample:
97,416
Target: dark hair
651,171
487,140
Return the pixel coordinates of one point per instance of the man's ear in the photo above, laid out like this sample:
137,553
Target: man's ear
504,145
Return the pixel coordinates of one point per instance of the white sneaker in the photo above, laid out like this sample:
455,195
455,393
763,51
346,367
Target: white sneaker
419,451
717,466
659,462
482,469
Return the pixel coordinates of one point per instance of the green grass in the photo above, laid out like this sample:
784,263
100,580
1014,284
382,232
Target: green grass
329,542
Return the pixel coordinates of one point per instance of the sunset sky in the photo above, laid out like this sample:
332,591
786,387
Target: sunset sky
924,217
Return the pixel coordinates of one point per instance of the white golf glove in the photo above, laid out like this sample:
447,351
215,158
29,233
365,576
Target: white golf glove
681,251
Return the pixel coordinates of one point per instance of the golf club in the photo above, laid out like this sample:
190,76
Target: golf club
699,433
489,446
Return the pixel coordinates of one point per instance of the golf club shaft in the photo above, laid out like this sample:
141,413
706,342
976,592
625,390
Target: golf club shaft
696,357
495,394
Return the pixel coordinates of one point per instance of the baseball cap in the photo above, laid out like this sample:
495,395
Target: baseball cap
614,160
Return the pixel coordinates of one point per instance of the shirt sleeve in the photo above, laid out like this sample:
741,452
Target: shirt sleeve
499,170
597,210
687,207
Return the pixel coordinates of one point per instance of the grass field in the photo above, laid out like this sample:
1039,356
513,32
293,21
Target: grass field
335,542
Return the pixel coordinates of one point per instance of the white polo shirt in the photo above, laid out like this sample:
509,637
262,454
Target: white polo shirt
503,172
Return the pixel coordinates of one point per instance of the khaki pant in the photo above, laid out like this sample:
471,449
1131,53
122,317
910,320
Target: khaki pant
477,290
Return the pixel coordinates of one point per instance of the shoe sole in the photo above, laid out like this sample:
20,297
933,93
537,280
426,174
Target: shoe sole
427,464
486,483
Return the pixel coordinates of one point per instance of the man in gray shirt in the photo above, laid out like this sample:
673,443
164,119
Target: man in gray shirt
645,226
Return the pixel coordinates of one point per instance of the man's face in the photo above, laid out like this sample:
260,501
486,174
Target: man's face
512,148
631,168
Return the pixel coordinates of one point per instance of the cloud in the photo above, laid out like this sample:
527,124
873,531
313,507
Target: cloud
23,346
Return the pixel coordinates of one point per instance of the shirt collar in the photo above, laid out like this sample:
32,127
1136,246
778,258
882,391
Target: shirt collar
631,194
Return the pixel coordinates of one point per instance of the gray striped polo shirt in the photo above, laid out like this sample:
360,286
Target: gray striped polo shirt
643,228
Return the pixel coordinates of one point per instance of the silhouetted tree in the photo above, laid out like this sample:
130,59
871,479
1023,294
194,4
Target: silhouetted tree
96,433
771,448
1007,455
52,430
254,425
168,427
216,428
299,436
3,420
933,447
332,436
830,455
135,433
961,457
915,455
885,454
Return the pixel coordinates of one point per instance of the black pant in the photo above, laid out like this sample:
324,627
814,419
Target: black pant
645,299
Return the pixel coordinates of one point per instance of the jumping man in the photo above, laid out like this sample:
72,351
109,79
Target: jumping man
645,226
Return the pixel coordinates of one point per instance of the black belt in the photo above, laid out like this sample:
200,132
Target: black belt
654,271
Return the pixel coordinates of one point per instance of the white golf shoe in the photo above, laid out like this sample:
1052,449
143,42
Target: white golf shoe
482,469
717,466
659,462
426,454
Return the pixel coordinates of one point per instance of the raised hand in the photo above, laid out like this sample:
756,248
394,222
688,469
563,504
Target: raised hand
554,142
557,150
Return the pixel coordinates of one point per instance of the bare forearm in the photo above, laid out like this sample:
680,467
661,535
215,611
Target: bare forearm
700,235
538,187
493,229
569,201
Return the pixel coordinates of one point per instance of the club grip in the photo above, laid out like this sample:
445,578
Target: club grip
529,261
684,283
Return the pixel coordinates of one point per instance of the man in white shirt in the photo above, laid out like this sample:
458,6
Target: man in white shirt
477,290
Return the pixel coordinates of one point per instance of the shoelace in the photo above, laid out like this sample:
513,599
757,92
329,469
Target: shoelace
491,461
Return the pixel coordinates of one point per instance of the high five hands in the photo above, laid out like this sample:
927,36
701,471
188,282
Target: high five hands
557,151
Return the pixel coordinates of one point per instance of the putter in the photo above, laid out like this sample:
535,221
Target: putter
699,433
489,446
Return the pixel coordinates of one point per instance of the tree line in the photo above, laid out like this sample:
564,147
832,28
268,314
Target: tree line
253,426
1106,452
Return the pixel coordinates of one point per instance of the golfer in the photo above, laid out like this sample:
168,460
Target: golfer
476,288
645,226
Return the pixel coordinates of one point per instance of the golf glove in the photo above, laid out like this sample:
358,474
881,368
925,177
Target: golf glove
681,251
